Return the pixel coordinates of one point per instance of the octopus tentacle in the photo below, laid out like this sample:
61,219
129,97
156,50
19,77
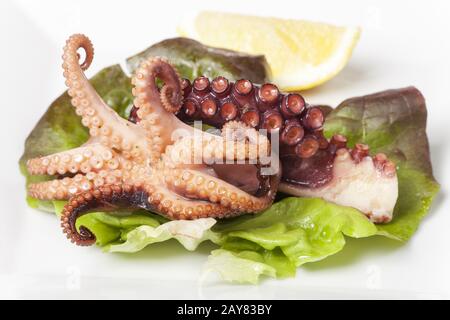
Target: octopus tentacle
175,206
359,182
198,185
61,189
148,197
240,133
106,197
259,107
93,157
101,120
214,149
166,201
236,130
220,101
146,87
155,108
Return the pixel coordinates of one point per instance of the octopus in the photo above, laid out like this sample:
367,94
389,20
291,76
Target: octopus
157,161
153,164
312,166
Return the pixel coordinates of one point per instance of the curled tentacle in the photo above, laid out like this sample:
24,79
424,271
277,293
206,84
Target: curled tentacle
105,198
154,108
103,122
171,97
148,98
112,197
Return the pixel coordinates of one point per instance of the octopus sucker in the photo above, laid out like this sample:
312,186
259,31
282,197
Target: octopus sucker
148,163
313,166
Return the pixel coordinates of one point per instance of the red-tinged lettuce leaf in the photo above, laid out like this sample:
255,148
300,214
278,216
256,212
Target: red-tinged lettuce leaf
394,122
193,59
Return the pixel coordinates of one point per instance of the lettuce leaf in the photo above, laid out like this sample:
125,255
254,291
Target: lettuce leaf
188,233
244,267
394,122
193,59
290,233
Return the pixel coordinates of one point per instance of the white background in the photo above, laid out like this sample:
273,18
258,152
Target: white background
403,43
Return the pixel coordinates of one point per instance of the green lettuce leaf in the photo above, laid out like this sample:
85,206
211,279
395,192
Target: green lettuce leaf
290,233
189,234
244,267
394,122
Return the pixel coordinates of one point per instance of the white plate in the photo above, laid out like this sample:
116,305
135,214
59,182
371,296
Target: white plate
402,44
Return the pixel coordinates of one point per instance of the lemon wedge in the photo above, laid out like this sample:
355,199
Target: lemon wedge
301,54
